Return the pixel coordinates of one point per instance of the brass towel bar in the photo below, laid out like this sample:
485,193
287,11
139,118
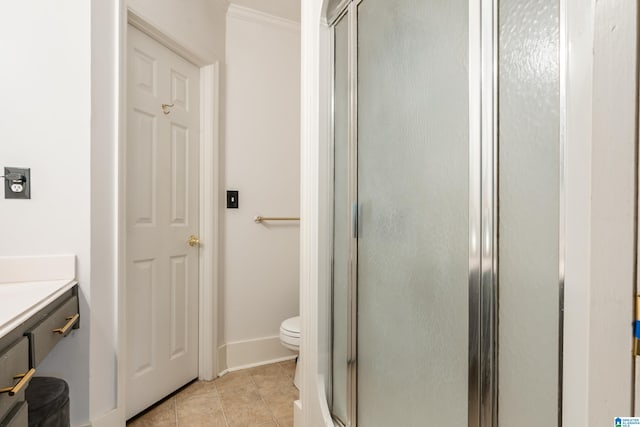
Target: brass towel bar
260,219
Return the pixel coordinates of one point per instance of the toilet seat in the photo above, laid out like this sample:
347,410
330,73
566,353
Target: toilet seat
290,333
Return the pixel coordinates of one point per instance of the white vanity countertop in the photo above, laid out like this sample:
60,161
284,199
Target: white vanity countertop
19,301
28,284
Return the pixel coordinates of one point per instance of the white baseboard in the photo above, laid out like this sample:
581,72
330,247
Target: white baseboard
112,418
297,413
247,354
221,369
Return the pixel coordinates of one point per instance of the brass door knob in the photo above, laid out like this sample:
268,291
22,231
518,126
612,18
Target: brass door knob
193,241
166,108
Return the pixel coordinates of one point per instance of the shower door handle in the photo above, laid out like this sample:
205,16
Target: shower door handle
354,220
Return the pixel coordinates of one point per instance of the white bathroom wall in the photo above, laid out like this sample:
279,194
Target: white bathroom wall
261,156
45,108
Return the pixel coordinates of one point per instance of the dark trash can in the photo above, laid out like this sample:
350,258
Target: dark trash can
48,400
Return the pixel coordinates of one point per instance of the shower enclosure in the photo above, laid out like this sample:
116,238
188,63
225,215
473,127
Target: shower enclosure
447,239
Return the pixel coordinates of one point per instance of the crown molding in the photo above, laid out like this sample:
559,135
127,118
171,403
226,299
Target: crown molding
256,16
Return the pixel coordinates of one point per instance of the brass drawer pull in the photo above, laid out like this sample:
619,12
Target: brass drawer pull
70,322
24,379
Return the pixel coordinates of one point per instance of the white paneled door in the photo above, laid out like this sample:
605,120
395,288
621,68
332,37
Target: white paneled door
162,204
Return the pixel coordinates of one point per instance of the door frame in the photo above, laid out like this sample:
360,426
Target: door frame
209,197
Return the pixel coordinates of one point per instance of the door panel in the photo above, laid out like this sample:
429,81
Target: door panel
179,174
179,90
413,232
162,212
179,306
140,295
143,128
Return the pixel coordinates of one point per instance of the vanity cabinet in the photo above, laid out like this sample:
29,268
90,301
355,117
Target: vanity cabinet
24,347
14,367
18,416
55,326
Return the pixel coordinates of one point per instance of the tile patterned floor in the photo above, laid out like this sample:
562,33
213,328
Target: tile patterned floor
256,397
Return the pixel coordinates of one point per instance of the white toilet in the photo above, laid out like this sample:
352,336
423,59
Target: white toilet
290,338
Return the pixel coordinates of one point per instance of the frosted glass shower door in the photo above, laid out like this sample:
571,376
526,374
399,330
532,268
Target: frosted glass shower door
413,227
341,224
529,214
